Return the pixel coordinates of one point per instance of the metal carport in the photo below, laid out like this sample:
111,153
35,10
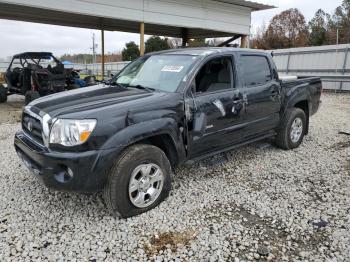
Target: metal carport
183,19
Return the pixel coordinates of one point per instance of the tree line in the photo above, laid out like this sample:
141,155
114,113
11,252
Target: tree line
155,43
88,58
130,52
290,29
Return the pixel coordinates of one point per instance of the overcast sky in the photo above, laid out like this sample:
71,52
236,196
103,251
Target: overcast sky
21,36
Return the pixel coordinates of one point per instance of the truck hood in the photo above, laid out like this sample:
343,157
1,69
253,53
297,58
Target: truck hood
88,98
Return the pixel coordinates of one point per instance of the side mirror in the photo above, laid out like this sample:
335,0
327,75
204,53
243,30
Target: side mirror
112,75
199,119
193,88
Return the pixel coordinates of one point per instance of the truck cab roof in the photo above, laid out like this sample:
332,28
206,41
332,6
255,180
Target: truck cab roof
205,51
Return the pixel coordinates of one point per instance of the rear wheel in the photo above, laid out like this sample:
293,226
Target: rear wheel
292,130
139,181
3,94
30,96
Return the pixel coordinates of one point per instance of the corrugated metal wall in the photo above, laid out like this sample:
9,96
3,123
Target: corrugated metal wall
331,63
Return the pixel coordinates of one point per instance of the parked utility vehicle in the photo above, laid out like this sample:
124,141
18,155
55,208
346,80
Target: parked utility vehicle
34,74
165,108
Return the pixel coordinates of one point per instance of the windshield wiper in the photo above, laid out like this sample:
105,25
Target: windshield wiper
149,89
111,83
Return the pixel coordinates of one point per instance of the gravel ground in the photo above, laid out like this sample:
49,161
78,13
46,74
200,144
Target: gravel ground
256,202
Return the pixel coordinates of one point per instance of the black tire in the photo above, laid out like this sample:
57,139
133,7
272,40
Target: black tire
116,192
73,86
3,94
283,138
30,96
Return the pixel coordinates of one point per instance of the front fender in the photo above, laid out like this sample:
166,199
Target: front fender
143,130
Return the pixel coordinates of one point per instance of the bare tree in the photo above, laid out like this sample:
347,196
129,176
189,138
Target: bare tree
287,29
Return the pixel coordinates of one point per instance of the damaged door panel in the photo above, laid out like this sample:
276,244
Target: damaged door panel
218,118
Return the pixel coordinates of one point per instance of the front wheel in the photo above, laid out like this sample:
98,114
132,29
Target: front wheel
139,181
292,129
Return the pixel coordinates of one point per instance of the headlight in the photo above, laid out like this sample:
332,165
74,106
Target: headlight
68,132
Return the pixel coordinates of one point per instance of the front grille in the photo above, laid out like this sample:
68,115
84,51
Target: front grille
33,127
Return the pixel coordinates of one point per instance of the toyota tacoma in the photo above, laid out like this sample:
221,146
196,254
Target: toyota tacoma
125,137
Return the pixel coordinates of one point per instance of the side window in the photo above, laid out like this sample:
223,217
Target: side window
255,69
215,75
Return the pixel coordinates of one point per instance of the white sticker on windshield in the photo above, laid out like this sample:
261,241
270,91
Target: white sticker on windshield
174,69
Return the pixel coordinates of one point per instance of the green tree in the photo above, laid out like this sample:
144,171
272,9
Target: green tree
155,43
131,51
318,28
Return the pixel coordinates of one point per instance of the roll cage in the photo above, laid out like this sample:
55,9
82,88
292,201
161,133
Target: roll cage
25,59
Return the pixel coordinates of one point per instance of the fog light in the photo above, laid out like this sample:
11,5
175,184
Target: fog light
65,175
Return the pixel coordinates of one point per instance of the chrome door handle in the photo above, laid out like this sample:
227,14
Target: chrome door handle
243,100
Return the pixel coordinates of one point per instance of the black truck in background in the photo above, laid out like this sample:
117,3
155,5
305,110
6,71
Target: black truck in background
126,137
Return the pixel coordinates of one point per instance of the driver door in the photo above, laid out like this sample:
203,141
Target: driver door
218,108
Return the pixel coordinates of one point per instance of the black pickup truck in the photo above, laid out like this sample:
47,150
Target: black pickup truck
125,137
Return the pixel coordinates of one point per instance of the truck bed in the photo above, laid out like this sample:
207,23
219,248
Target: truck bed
310,87
293,80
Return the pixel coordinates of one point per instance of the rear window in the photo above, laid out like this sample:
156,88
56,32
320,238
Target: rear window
256,70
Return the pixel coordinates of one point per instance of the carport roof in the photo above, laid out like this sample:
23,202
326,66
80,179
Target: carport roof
253,5
209,18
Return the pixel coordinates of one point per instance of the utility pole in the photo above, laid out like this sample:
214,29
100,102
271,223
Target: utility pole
94,46
93,53
336,54
337,34
103,53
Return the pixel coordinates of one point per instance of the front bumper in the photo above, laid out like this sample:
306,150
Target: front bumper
66,171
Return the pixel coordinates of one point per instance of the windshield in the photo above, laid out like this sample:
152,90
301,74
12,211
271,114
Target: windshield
159,72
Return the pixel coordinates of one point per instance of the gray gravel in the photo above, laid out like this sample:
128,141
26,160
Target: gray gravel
257,202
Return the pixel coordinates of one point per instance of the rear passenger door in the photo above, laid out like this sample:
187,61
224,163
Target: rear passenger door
262,92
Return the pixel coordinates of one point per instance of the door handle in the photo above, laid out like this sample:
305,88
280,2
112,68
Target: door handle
238,104
239,99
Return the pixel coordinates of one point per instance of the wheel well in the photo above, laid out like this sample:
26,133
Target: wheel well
304,105
166,144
